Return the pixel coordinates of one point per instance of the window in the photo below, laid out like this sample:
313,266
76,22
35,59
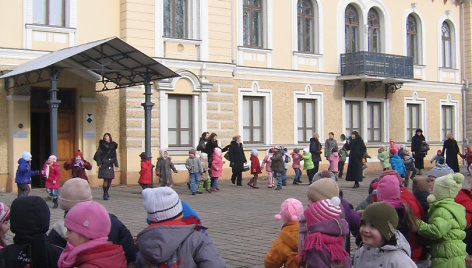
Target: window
253,119
412,38
446,45
353,117
49,12
447,120
305,26
374,122
374,30
252,23
351,29
175,18
306,119
180,125
412,120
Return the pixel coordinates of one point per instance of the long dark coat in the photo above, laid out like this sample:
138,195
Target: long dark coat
452,150
315,150
106,159
416,142
237,157
357,150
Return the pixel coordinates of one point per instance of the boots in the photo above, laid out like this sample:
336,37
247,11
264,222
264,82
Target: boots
208,185
200,187
54,200
105,194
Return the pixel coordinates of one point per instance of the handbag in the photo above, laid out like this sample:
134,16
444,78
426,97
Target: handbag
424,147
226,156
245,167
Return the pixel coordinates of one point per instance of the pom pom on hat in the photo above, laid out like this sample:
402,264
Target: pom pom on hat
290,210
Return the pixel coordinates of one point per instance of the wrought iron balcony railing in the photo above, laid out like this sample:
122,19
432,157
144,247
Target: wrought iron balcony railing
377,64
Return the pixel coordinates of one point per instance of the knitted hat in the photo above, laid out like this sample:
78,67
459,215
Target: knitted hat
388,190
89,219
440,170
446,187
26,156
323,210
74,191
324,188
254,152
161,204
143,156
383,217
324,174
78,153
52,158
191,151
296,150
4,212
29,215
290,210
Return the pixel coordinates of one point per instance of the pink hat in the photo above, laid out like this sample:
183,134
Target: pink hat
89,219
4,212
290,210
388,190
53,158
323,210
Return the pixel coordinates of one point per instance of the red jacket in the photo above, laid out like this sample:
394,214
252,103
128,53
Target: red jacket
145,172
255,165
464,197
77,171
109,255
52,182
216,165
416,242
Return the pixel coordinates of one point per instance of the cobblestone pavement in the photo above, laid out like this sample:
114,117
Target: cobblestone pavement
240,219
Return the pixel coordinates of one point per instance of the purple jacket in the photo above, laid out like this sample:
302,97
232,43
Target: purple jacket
353,219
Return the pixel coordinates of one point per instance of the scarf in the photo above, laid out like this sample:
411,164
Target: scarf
70,253
79,163
320,241
46,172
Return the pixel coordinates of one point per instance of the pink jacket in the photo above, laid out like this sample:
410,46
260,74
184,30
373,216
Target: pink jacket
296,160
267,163
333,162
216,165
52,176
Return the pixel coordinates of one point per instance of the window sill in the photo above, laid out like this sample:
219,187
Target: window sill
50,28
444,69
419,66
255,50
307,55
183,41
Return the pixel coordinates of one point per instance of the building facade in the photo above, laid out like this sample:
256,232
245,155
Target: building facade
271,71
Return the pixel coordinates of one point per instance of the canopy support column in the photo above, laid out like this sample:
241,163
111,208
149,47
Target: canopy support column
53,107
147,105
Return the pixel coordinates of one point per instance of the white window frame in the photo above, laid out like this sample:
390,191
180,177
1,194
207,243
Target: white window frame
318,22
267,16
423,122
421,34
455,36
266,94
308,93
455,104
382,121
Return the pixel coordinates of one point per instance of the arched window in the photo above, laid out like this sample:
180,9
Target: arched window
412,38
305,26
175,18
373,22
351,29
446,41
252,23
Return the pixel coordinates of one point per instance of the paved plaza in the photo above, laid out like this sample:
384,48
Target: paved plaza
240,220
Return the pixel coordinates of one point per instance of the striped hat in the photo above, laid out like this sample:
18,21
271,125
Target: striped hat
323,210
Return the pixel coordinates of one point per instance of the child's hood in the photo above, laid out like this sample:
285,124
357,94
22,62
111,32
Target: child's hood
402,244
21,161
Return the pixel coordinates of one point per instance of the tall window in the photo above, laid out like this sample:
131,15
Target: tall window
306,119
252,23
49,12
175,18
305,26
253,119
353,117
180,121
351,29
446,45
373,22
412,38
447,120
374,122
412,119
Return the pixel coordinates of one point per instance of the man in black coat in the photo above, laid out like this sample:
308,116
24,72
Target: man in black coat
451,149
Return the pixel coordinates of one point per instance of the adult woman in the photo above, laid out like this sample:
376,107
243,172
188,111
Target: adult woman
106,161
357,150
315,150
203,141
210,147
451,149
237,160
418,143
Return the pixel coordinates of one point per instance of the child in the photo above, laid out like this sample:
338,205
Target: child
397,163
436,158
195,169
284,249
52,174
308,164
409,163
334,162
296,165
4,224
287,160
205,181
145,179
323,246
382,245
267,162
78,166
164,168
468,158
384,158
24,173
342,159
277,167
88,225
255,169
446,223
216,168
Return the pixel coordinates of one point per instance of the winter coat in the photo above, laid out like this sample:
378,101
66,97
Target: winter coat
204,162
216,165
384,159
464,197
296,157
451,149
284,249
354,221
194,165
333,162
445,229
307,161
397,164
237,157
108,255
267,162
160,243
255,165
77,170
24,172
145,172
409,162
106,159
315,150
342,155
19,256
415,240
286,158
357,151
52,181
277,164
416,147
395,256
164,168
329,145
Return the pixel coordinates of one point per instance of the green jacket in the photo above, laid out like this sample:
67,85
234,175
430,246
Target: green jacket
446,231
384,159
307,161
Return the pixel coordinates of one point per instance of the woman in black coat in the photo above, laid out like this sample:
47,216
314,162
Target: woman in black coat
417,148
357,151
203,141
451,149
315,150
106,161
237,160
210,146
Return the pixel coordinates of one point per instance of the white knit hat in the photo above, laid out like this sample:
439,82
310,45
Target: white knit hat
161,203
26,156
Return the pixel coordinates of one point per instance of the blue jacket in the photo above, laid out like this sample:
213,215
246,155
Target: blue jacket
24,172
397,164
